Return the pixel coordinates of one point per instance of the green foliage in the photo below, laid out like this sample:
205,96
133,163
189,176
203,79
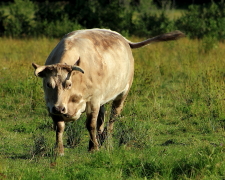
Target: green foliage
110,14
56,28
204,21
24,18
50,11
20,20
100,14
52,21
153,24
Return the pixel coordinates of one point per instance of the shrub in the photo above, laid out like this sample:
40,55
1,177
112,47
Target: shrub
100,14
56,28
20,20
203,21
153,24
111,15
141,18
50,11
53,21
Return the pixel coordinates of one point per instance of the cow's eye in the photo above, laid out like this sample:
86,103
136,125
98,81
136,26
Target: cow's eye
68,84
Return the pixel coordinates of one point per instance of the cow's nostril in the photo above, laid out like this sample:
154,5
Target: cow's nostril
58,110
63,109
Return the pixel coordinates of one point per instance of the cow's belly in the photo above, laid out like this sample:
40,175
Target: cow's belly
113,94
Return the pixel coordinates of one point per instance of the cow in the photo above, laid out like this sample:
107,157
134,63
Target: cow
87,69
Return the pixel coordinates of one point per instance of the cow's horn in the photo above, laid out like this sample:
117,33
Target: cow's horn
76,68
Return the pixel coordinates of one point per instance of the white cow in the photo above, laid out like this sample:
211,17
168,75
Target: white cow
87,69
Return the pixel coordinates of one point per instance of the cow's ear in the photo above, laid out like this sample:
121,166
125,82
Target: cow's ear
35,66
39,70
77,63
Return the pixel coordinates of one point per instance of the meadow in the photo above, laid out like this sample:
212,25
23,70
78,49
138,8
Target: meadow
172,125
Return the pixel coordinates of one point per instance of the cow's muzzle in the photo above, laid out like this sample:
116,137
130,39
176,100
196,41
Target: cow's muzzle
58,110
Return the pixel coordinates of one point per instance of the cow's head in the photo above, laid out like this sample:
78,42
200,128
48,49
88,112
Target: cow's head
63,89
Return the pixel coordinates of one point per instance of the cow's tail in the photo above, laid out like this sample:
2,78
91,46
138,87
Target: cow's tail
163,37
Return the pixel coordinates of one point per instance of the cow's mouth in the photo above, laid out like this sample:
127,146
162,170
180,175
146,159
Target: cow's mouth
66,115
62,115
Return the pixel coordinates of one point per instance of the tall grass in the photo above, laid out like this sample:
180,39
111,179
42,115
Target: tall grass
172,125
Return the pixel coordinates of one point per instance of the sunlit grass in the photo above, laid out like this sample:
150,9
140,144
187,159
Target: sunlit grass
172,125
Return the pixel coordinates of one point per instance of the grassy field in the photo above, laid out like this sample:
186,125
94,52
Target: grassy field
172,126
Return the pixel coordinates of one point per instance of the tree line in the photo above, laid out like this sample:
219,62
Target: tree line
25,18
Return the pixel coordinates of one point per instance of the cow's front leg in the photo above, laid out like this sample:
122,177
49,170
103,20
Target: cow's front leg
59,129
91,125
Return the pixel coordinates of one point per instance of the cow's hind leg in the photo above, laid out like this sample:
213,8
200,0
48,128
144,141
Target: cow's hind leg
100,125
117,107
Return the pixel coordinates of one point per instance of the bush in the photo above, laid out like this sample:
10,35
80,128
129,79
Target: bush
56,29
20,21
111,15
100,14
153,24
204,21
50,11
54,19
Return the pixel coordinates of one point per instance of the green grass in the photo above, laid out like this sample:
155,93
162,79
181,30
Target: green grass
172,125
